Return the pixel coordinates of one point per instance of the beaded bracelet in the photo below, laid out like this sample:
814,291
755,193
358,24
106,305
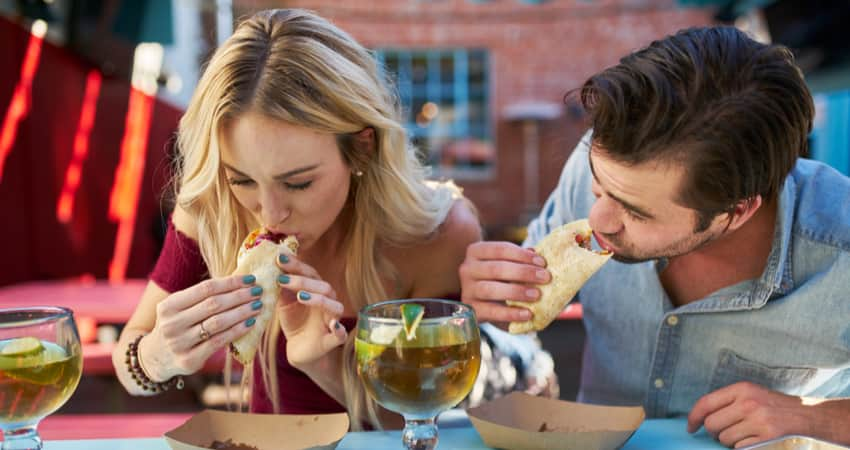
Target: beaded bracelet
134,366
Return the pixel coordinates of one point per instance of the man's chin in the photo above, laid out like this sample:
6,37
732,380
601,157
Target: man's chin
628,259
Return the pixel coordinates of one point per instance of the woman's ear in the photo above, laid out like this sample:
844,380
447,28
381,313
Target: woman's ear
365,141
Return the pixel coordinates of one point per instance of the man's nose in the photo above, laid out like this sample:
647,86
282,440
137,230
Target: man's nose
605,216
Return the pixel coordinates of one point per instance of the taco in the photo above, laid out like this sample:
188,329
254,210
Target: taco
571,263
257,256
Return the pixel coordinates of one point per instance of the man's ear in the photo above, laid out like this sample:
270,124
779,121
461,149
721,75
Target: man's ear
743,211
365,141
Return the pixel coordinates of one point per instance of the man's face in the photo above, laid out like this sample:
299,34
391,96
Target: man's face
636,215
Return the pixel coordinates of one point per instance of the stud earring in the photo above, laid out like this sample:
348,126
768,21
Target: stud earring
358,173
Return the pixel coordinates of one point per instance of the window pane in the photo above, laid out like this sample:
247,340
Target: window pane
445,98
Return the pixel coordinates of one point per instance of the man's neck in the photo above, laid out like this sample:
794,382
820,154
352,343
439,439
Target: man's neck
734,257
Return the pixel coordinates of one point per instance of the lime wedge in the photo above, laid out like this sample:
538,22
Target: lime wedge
366,351
411,315
25,346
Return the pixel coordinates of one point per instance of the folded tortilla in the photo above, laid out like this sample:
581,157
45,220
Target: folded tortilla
257,256
571,263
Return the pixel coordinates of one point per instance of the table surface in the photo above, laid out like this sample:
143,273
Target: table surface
654,434
103,301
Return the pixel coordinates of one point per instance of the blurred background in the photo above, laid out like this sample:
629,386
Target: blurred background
91,92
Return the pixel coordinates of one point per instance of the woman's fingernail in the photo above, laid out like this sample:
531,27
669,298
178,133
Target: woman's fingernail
256,290
250,322
283,279
539,261
540,274
249,279
257,304
283,259
525,315
302,295
531,293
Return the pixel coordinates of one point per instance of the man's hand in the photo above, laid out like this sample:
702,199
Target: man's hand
495,271
745,413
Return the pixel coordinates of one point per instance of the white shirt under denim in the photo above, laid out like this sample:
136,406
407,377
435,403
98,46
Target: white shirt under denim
789,330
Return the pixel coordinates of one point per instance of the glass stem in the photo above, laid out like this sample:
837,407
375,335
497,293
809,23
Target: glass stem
24,438
420,434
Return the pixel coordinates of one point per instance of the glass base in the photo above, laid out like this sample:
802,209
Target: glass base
24,438
419,434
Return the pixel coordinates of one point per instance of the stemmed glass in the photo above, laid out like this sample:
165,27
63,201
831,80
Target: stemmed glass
40,366
418,376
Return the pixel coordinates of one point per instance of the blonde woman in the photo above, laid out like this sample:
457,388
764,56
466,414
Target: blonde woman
292,128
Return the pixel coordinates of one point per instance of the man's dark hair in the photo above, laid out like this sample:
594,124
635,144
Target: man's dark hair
736,113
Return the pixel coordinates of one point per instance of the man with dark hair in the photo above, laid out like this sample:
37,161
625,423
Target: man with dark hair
727,299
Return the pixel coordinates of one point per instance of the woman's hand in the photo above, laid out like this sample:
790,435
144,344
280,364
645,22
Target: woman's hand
194,323
309,311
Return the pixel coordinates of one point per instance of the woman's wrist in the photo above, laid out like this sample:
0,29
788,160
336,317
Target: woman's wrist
321,365
148,364
142,376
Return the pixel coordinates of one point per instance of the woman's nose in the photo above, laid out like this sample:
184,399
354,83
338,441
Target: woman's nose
604,216
273,209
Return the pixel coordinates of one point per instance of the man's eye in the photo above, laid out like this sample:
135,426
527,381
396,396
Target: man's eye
635,216
299,186
239,181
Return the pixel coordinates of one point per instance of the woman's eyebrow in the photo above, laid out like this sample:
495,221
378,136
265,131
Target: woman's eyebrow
294,172
279,177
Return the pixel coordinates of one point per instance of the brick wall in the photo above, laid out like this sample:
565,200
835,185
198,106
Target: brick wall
537,54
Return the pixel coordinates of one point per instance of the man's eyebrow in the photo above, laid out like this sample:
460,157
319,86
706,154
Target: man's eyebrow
279,177
640,211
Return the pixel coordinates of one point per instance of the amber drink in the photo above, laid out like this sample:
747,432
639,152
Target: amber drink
40,367
33,386
422,374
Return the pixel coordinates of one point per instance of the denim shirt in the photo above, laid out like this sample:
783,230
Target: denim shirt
789,330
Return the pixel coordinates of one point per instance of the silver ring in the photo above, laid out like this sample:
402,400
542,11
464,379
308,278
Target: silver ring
204,333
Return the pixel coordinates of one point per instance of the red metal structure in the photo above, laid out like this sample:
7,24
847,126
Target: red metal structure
79,151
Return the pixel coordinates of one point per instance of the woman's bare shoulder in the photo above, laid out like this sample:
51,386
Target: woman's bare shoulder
436,261
461,226
185,223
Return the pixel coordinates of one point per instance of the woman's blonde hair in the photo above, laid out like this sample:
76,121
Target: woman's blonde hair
297,67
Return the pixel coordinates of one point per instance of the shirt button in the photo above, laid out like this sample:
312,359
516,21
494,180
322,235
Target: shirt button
672,321
659,383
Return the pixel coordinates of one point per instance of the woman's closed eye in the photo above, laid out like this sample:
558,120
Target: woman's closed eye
247,182
239,181
297,186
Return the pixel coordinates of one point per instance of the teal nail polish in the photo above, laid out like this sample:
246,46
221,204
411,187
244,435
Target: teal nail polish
283,279
283,259
249,279
256,290
303,295
257,305
250,322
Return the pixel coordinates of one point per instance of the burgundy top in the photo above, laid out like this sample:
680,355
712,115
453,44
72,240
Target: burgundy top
180,266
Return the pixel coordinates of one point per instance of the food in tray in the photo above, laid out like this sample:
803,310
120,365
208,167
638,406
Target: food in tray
230,445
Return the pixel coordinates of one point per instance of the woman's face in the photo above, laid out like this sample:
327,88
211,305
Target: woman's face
293,179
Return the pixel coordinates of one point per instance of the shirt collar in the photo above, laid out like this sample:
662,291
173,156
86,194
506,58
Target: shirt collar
777,277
